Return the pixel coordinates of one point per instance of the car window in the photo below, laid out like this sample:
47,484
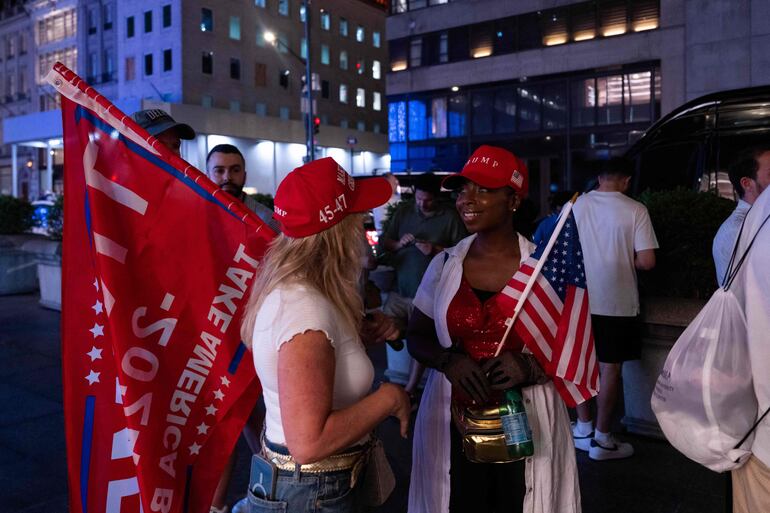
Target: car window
667,166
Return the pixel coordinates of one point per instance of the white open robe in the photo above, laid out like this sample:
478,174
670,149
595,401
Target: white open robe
550,474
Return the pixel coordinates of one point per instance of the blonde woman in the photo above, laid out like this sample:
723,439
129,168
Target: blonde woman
303,320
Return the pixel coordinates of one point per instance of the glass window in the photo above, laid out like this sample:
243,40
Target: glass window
343,93
438,118
398,54
443,47
361,126
583,21
235,69
483,112
283,44
644,15
376,70
130,26
458,115
326,20
637,92
554,106
207,101
325,54
235,28
361,66
376,101
91,21
107,16
396,121
505,111
92,64
360,97
283,112
554,27
584,102
376,128
609,99
167,61
325,89
482,43
418,120
207,20
261,109
343,59
283,7
343,123
360,34
166,16
283,78
148,21
130,69
505,36
415,52
148,65
259,3
235,106
343,27
529,107
260,74
207,63
613,18
376,39
302,13
528,34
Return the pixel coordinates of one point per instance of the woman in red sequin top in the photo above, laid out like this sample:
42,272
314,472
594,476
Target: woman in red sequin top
454,329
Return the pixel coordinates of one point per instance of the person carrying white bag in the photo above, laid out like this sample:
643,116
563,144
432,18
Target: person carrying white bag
713,394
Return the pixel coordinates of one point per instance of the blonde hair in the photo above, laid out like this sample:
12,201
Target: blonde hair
329,261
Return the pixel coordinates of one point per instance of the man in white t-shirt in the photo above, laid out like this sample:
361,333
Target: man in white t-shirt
751,482
617,239
750,175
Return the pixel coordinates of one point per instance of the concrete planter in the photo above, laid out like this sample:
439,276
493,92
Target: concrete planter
18,273
49,275
664,320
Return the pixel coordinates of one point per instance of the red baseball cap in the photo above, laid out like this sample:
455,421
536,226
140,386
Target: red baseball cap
320,194
491,167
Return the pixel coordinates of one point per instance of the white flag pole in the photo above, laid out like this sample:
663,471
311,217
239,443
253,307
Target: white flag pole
531,282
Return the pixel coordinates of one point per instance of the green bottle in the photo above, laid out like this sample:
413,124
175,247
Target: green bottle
518,436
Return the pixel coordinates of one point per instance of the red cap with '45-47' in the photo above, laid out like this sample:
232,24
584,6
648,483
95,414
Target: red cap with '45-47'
320,194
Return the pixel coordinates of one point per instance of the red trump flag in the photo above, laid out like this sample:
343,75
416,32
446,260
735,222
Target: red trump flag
157,265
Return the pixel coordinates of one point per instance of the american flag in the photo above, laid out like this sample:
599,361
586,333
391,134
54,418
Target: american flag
555,321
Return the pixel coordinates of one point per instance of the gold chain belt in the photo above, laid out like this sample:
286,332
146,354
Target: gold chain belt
353,460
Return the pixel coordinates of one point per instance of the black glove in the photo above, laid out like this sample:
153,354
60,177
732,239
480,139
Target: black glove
513,369
466,374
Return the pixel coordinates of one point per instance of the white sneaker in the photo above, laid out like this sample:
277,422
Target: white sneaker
582,442
610,450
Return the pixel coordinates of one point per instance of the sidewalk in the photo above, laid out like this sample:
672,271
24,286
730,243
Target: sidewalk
32,455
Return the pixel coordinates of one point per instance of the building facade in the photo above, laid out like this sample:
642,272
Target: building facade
211,65
560,83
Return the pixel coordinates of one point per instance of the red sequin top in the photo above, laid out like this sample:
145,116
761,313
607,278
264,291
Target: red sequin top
477,328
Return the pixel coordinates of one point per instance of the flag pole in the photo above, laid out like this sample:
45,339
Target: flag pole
531,282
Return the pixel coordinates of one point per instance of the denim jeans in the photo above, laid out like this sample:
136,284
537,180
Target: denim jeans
328,492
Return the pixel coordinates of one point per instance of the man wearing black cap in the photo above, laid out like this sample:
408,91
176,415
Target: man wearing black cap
164,128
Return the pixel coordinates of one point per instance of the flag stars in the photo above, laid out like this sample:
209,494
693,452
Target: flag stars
194,449
203,429
95,353
96,284
93,377
97,330
98,307
218,394
211,410
225,381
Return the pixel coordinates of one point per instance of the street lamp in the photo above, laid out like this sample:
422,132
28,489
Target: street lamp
272,39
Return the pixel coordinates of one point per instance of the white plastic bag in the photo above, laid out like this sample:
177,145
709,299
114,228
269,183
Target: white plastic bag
704,398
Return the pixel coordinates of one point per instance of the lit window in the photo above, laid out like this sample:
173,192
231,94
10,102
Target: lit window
283,7
303,48
360,97
325,54
343,59
360,66
343,93
361,126
376,101
360,34
302,13
259,3
343,27
235,28
376,39
326,20
207,20
376,70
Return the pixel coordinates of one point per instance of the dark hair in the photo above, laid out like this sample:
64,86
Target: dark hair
225,148
427,182
616,166
558,199
745,164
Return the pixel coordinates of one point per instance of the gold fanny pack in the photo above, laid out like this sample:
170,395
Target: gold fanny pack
482,434
354,461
